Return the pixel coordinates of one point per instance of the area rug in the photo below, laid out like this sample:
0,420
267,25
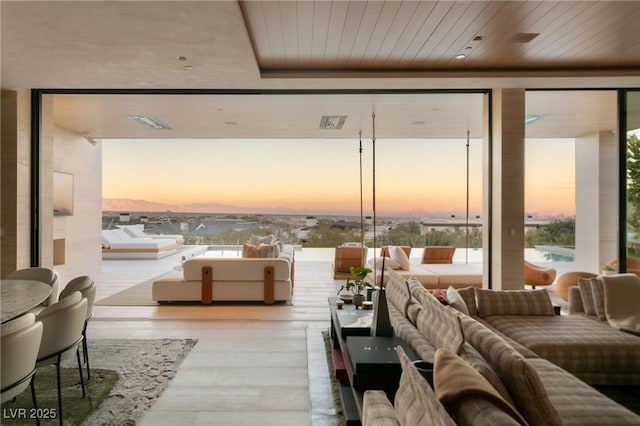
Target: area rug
127,376
335,384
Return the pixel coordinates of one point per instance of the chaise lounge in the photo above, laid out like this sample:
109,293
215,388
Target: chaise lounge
117,244
137,231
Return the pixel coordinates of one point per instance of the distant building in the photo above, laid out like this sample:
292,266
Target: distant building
311,221
125,217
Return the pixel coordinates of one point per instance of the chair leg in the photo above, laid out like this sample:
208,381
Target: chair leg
59,391
85,350
80,370
33,397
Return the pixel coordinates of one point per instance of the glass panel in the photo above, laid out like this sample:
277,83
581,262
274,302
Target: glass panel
571,175
632,135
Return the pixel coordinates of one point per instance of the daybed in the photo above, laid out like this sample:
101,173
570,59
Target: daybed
542,392
430,275
137,231
117,244
268,279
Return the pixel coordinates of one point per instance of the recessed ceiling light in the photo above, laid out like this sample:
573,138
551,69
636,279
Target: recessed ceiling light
332,122
461,56
189,67
149,121
182,58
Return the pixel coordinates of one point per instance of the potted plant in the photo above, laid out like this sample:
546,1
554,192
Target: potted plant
608,269
356,284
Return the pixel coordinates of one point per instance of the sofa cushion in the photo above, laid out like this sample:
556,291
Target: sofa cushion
377,410
456,301
440,324
584,284
388,262
249,251
414,307
578,403
256,240
415,402
513,302
457,383
518,376
398,292
266,251
597,291
477,361
399,255
468,294
621,301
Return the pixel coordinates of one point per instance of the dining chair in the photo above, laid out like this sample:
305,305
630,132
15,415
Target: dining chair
21,339
62,334
46,275
87,288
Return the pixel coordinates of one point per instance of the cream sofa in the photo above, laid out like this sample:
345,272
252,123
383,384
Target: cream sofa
229,279
542,392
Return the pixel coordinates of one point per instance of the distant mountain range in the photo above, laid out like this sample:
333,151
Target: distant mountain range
127,205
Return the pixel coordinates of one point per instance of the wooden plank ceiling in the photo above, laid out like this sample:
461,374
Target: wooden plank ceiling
401,36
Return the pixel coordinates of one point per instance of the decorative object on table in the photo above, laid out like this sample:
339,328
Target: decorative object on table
356,284
381,324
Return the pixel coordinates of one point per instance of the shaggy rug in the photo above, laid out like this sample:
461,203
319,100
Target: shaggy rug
127,376
335,384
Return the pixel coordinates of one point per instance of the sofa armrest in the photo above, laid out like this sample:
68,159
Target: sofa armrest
377,410
575,301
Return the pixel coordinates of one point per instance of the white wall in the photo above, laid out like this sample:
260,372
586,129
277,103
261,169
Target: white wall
72,153
596,200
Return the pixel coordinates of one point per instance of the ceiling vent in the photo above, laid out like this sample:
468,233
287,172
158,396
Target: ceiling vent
523,37
149,121
332,122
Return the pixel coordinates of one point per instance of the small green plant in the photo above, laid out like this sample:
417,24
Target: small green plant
607,267
358,284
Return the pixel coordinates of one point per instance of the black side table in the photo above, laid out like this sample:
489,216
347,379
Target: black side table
375,363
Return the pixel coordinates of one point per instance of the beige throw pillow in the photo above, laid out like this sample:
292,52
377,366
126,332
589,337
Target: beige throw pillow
400,256
249,251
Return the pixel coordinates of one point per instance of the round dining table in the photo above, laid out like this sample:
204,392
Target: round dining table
20,296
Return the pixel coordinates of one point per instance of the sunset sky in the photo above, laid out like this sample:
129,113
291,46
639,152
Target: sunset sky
412,176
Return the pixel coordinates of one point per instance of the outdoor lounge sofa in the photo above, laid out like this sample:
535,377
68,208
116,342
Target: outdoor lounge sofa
431,276
229,280
542,392
117,244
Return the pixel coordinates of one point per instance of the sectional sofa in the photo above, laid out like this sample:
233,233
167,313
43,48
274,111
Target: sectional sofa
267,279
430,275
542,392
